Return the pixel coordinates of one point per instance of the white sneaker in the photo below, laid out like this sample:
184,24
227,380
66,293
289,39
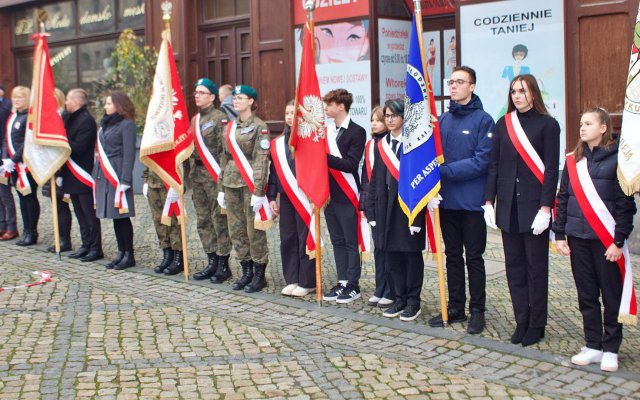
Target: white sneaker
384,302
288,290
587,356
609,362
299,291
373,301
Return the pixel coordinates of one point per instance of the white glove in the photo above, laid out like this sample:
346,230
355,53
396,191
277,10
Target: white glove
145,191
8,164
256,203
414,229
59,181
434,203
490,216
221,201
125,187
540,222
372,223
173,196
2,170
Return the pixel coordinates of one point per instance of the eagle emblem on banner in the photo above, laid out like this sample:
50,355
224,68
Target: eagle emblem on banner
311,119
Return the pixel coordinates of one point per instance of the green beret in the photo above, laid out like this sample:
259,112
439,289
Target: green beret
208,84
248,90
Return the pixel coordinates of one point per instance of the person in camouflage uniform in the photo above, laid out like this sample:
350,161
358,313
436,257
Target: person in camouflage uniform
168,236
212,224
250,244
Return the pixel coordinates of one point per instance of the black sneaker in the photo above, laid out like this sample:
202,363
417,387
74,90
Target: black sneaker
410,312
436,322
476,323
393,311
349,294
334,292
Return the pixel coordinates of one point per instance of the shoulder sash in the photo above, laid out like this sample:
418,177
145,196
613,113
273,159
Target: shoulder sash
523,145
22,185
207,158
120,199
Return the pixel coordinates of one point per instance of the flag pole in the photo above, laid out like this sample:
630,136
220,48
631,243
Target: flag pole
436,212
310,6
42,17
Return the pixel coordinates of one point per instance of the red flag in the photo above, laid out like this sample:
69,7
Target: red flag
308,138
46,147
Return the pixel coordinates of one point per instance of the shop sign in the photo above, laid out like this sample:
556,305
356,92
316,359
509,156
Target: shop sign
102,16
327,10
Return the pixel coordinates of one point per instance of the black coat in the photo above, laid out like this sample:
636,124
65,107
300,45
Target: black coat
5,111
274,186
602,164
364,188
391,232
81,133
351,145
17,136
511,179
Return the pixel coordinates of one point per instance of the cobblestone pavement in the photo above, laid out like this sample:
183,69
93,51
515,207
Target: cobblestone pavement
94,333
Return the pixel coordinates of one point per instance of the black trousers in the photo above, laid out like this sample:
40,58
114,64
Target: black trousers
527,265
124,233
595,277
7,209
64,221
407,273
465,232
342,222
296,265
29,206
90,233
384,285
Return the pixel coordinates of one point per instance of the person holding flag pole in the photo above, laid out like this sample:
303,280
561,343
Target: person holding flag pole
166,142
421,155
46,147
308,139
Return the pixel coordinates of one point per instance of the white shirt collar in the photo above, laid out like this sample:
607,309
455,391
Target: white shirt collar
345,123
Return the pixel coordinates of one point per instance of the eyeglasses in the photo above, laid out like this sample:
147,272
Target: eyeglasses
457,81
201,93
240,98
391,117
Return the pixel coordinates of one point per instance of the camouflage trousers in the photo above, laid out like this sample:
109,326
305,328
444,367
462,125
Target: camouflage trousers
248,242
212,225
168,236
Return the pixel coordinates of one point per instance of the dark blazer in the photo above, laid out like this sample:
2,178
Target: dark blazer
351,145
602,164
5,111
81,133
364,185
510,179
391,232
274,186
17,136
119,143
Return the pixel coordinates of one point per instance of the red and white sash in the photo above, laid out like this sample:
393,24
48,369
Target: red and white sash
22,185
120,199
347,183
294,193
389,158
207,158
523,145
170,209
368,157
603,224
264,217
83,176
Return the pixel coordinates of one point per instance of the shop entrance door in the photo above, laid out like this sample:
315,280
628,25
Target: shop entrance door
228,55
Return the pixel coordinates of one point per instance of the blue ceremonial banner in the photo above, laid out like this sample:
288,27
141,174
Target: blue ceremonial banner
421,154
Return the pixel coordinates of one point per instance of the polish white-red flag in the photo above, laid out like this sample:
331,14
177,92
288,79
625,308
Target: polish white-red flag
46,147
166,141
308,139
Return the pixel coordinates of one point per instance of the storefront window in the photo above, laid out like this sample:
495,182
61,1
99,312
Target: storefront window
25,70
131,14
96,16
95,62
60,23
215,9
63,64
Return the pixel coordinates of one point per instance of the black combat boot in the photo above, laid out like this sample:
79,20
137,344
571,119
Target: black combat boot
210,269
223,272
258,282
178,264
167,259
247,275
127,261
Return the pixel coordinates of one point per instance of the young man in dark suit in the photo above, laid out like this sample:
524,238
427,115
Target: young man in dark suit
341,215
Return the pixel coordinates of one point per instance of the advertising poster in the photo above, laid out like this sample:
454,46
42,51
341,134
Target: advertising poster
393,42
505,38
449,40
327,10
432,51
343,61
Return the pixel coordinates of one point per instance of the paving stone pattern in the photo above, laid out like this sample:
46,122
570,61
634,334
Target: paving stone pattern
94,333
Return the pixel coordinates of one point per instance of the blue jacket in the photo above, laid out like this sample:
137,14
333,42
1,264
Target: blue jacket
466,132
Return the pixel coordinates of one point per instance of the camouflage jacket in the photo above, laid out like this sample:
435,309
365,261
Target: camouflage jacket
212,130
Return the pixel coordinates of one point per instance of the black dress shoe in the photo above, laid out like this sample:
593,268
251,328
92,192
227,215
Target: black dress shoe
454,316
93,255
476,323
83,251
116,260
28,239
127,261
518,334
532,336
63,247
